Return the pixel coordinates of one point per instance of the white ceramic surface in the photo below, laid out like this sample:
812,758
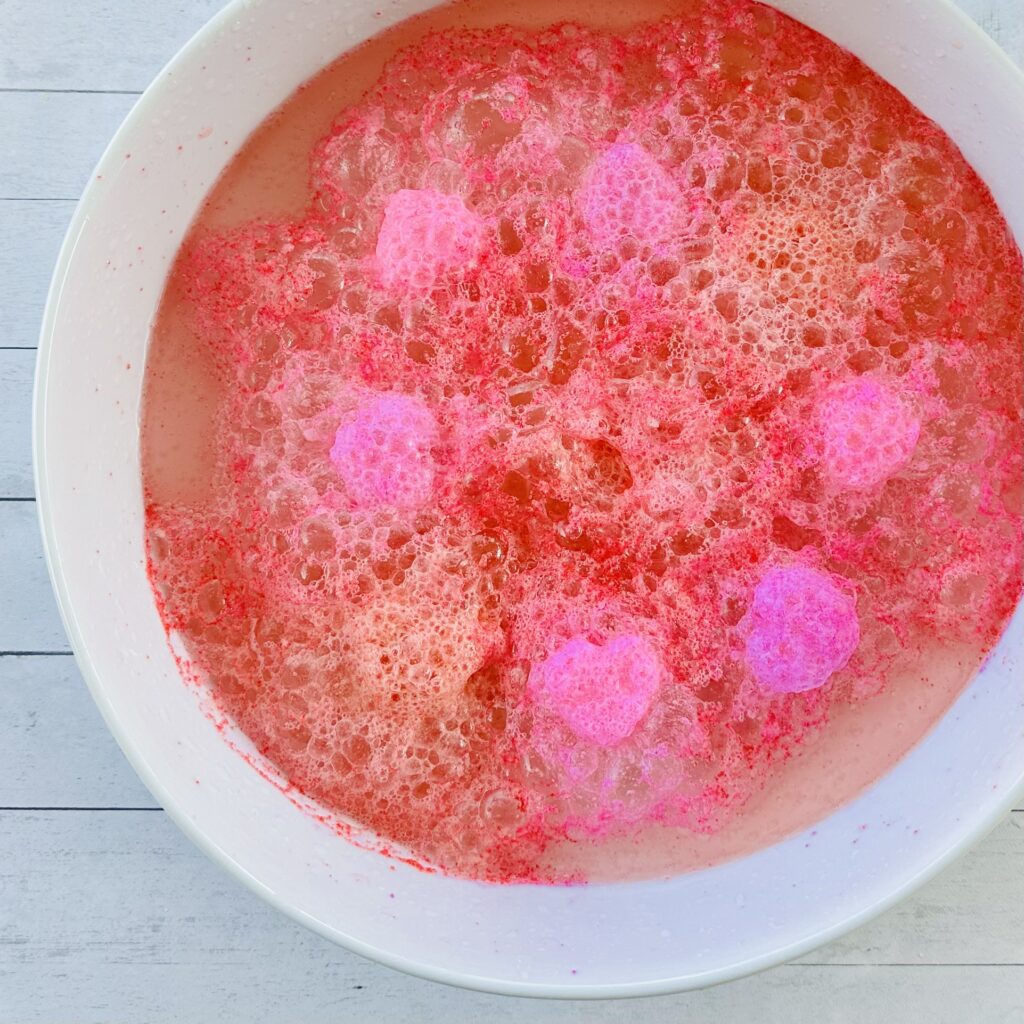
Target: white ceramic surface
628,939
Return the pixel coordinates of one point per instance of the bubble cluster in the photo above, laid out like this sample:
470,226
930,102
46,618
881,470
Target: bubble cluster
619,405
383,452
600,692
801,629
424,235
868,432
625,193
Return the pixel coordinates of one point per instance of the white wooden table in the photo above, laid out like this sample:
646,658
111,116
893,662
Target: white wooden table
107,912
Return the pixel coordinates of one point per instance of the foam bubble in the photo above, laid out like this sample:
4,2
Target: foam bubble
627,193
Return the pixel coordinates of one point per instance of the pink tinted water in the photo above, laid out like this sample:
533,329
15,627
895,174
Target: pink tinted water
593,449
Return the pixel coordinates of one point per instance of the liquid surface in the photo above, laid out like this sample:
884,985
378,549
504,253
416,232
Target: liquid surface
588,450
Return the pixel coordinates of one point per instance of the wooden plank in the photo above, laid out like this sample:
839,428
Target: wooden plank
32,233
124,920
1003,20
94,44
45,708
16,369
29,620
52,141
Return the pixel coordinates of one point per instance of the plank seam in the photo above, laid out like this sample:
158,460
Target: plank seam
901,964
42,91
87,808
35,654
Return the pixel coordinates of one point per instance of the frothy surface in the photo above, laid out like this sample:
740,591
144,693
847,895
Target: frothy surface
601,693
383,453
617,417
425,235
626,193
868,433
801,629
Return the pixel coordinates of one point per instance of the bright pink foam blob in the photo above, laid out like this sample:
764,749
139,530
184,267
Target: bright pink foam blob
600,692
626,192
801,628
868,432
383,452
424,235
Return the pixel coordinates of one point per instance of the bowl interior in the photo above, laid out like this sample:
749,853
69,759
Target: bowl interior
635,938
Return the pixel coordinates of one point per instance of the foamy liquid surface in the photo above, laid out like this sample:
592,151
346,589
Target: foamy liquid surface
589,450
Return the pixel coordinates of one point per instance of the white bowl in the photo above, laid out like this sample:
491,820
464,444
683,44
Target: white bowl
600,940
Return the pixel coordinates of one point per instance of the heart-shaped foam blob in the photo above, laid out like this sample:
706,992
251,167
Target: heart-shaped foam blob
626,192
801,628
868,433
383,452
424,235
600,691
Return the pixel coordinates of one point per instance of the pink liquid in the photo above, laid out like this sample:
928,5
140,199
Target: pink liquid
589,450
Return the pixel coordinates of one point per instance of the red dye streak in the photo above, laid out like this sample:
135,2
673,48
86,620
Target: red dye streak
624,448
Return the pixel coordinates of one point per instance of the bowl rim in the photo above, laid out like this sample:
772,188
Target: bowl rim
178,813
